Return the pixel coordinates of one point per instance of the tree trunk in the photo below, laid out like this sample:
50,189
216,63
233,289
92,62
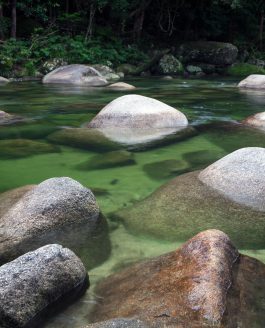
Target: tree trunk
14,19
151,62
92,12
261,28
2,36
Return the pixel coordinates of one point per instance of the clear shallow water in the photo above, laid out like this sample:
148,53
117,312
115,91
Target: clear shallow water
50,107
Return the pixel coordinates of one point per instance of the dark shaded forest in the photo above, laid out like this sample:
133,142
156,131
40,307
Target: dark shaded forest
122,31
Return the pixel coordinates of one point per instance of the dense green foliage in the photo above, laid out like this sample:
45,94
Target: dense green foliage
103,31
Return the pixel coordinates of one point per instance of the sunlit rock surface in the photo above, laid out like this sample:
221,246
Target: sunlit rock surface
135,111
253,81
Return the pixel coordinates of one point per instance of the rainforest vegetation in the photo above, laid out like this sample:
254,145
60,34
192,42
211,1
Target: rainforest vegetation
114,32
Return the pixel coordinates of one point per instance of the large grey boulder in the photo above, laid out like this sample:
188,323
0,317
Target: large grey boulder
239,176
253,81
135,111
37,282
228,195
209,52
58,210
204,283
75,74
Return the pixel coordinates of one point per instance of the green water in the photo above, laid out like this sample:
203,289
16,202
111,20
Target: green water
204,102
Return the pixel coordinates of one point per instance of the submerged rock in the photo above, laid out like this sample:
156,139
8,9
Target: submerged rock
58,210
209,52
186,205
239,176
141,139
17,148
75,74
107,160
201,158
204,283
27,131
135,111
165,169
33,285
11,197
119,323
254,81
91,139
256,120
121,86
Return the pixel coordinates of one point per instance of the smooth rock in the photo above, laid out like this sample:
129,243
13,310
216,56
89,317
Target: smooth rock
75,74
119,323
91,139
11,197
209,52
33,285
256,120
201,158
7,119
3,80
58,210
121,86
18,148
254,81
184,206
135,111
111,159
185,288
239,176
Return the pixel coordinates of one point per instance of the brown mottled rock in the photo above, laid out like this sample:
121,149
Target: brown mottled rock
10,197
205,283
256,120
